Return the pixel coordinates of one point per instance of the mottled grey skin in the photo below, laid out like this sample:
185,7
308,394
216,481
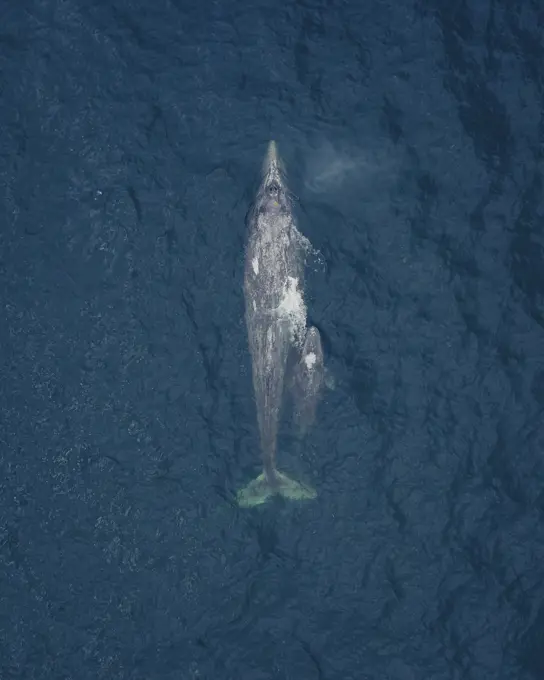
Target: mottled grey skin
273,255
308,381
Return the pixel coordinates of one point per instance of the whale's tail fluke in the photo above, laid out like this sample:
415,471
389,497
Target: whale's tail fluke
261,489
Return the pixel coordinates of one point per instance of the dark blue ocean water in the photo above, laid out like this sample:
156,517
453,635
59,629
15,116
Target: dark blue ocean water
132,137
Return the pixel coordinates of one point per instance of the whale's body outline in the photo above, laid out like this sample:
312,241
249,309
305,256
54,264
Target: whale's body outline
275,314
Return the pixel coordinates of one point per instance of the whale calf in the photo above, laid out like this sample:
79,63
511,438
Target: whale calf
308,381
276,320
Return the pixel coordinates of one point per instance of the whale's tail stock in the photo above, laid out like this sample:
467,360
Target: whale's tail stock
259,490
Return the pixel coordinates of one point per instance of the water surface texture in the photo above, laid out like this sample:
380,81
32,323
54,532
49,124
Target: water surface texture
132,137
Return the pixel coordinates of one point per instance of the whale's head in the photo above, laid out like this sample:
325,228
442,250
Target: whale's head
273,197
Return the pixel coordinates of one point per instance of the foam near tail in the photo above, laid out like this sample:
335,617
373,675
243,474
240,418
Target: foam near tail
260,490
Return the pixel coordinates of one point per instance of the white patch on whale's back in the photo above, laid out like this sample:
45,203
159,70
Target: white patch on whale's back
310,360
292,297
293,309
255,263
